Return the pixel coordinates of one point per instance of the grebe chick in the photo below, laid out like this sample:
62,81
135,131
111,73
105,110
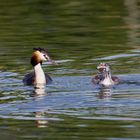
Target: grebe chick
104,77
38,77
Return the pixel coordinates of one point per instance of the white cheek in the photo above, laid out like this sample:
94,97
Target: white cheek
42,57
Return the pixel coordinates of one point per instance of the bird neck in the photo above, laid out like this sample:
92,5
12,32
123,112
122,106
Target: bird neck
107,81
39,75
107,74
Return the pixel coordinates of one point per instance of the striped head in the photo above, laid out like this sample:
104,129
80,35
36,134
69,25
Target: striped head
39,55
103,67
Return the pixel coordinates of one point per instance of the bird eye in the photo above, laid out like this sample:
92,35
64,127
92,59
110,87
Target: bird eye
44,55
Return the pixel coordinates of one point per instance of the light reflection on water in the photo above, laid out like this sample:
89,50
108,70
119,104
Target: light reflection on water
78,35
69,102
117,56
71,95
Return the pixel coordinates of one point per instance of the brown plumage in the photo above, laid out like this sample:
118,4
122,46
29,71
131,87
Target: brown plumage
38,76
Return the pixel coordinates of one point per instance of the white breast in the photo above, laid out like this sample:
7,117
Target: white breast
107,82
39,75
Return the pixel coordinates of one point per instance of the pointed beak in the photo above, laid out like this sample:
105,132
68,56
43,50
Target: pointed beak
47,57
50,60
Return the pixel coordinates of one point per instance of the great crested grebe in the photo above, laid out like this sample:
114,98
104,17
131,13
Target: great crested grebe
38,78
104,77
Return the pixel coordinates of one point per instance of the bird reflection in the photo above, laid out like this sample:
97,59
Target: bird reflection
40,91
105,92
40,116
41,122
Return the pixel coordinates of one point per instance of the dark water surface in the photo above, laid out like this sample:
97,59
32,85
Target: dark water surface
78,35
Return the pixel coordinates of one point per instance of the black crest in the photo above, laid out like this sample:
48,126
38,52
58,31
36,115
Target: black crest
40,49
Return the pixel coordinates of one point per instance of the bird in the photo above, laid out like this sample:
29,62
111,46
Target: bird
37,77
104,77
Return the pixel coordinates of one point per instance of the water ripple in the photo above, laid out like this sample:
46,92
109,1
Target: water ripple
117,56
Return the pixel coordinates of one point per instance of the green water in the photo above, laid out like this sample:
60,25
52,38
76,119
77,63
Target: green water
78,35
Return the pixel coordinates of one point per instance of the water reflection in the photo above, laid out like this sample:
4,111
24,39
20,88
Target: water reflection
81,32
104,92
40,115
41,122
39,92
133,22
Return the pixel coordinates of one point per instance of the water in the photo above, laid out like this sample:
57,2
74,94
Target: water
78,35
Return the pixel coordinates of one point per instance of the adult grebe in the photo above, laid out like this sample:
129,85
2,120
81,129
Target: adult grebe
104,77
38,78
